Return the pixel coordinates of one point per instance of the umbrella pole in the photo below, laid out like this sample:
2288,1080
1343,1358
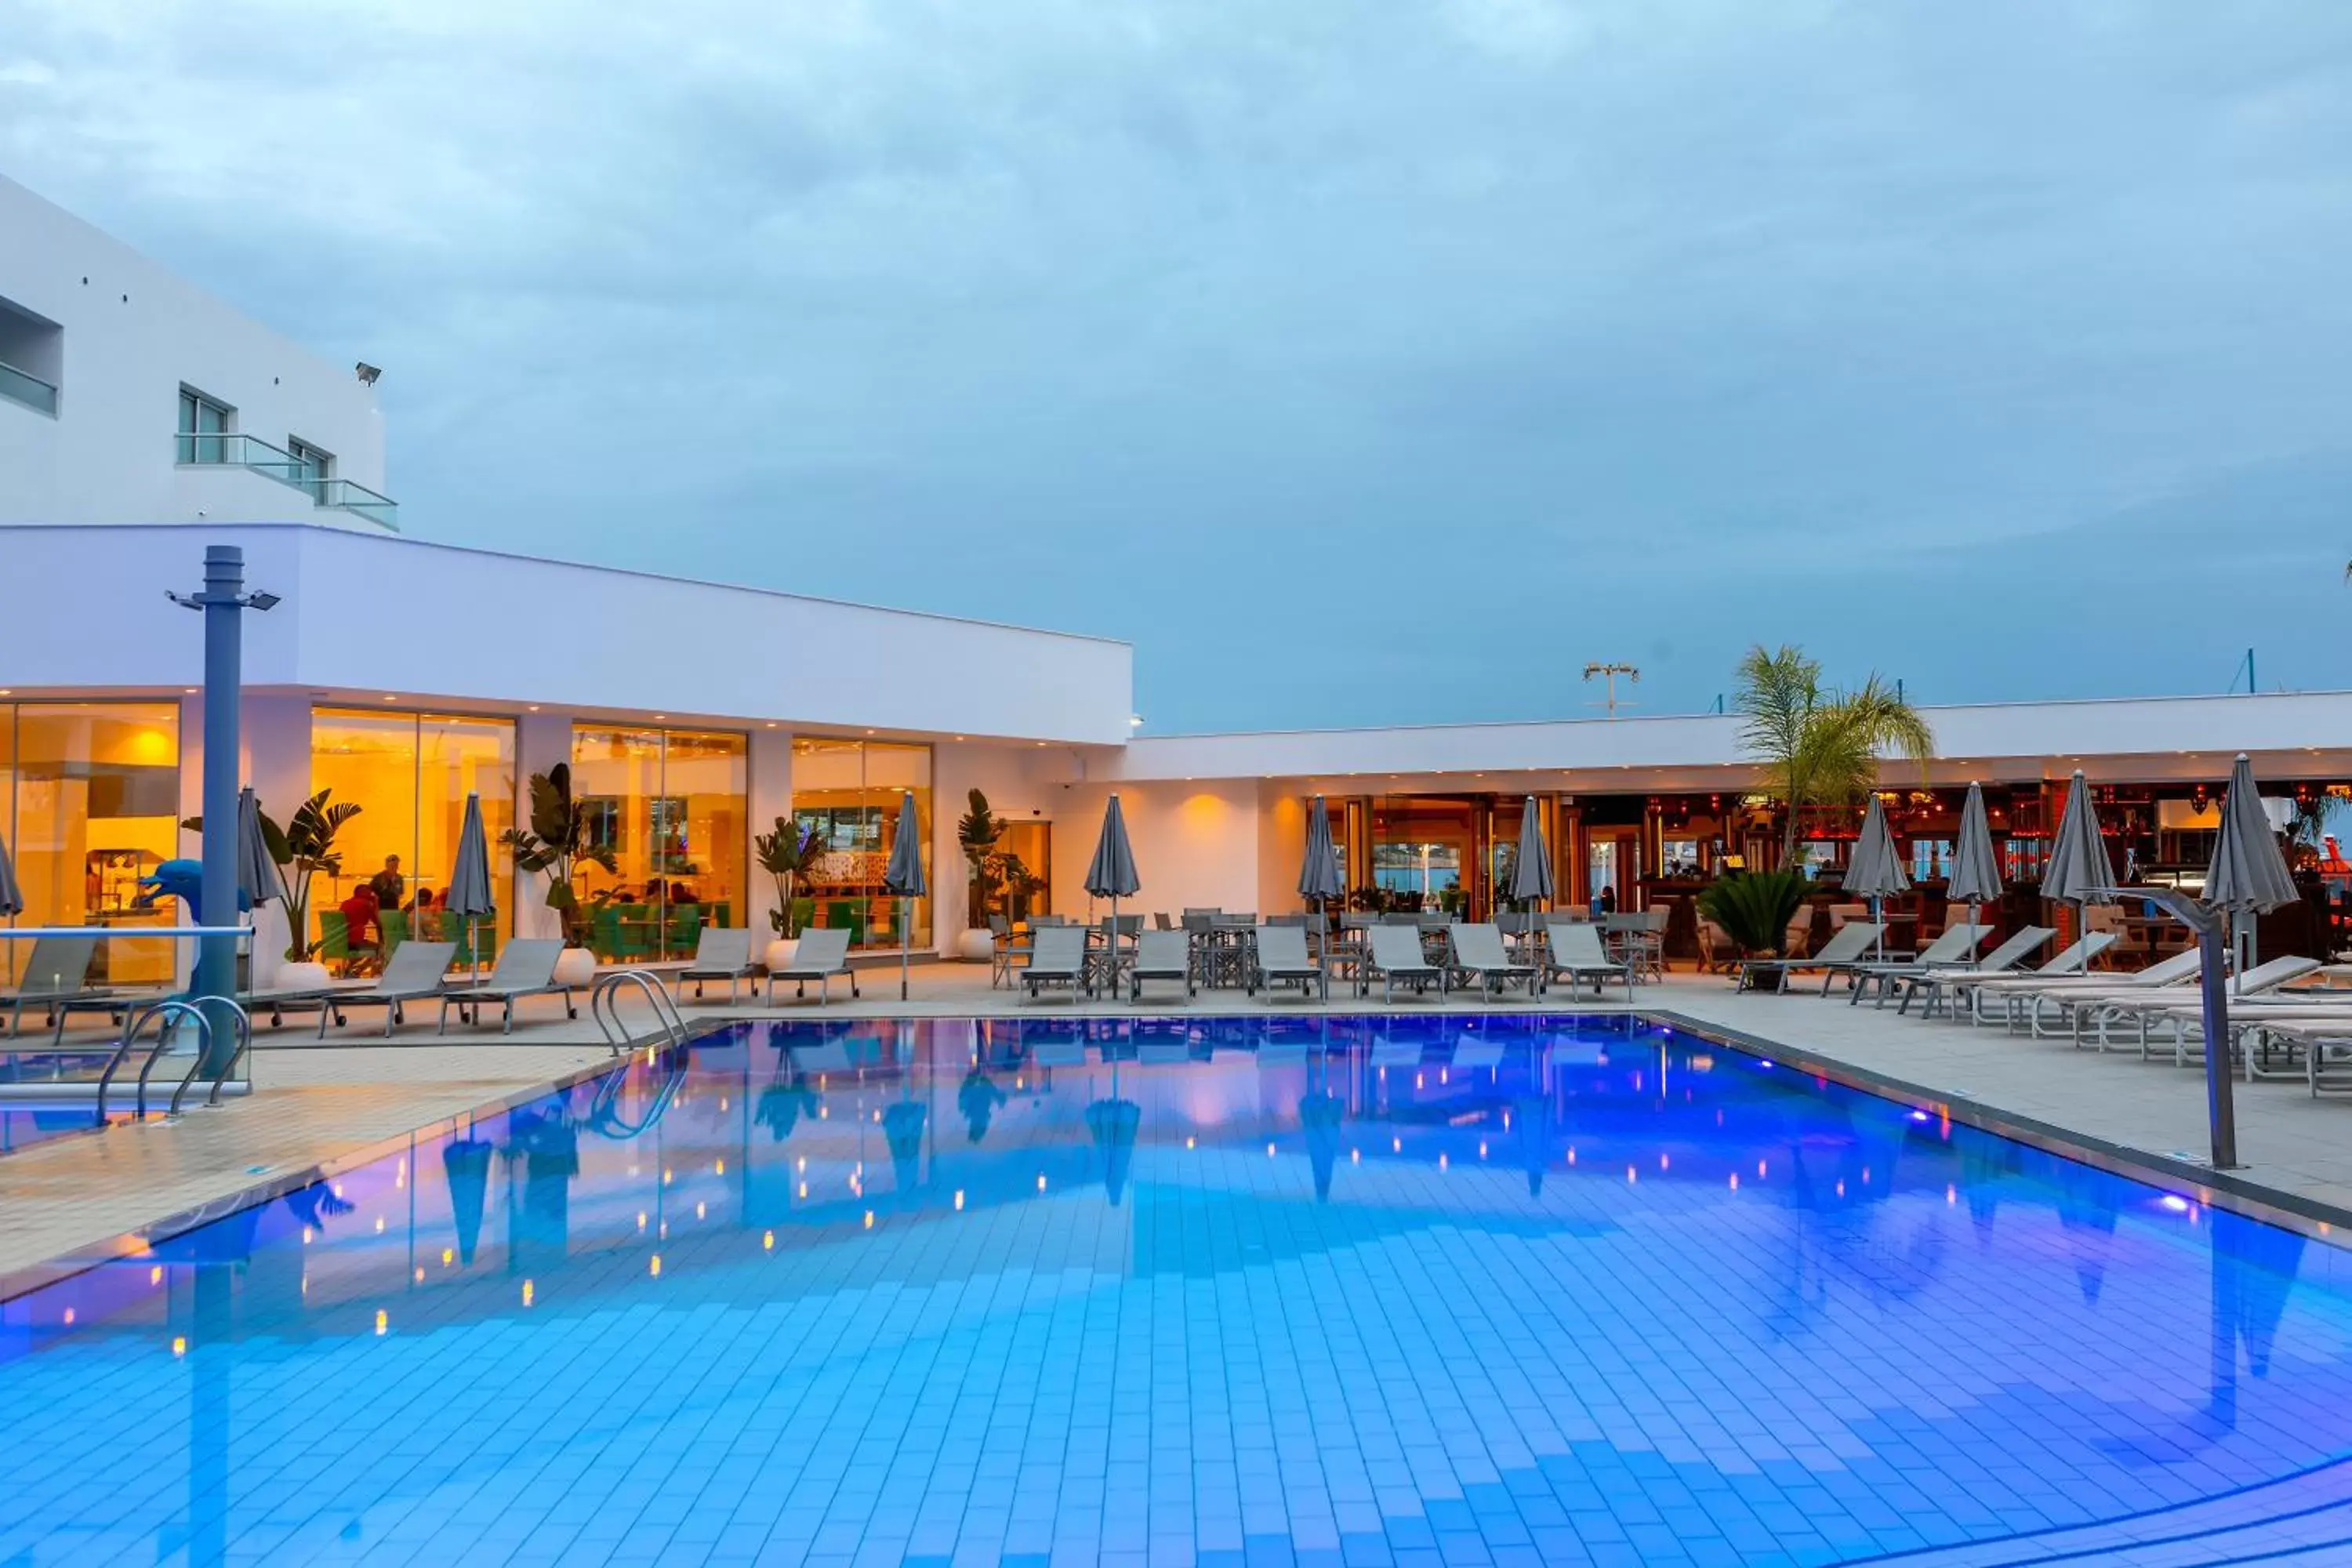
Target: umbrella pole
906,941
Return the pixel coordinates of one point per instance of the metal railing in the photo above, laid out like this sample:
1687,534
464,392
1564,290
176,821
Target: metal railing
609,1116
604,1006
353,497
169,1016
22,386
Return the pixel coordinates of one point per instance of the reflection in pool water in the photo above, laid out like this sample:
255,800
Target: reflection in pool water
1564,1289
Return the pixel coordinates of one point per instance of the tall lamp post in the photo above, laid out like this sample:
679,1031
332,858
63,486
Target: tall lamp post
222,601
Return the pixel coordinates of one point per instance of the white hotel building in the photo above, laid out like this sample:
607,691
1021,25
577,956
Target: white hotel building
141,420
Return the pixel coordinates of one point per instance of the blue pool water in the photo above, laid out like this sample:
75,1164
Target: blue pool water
1396,1291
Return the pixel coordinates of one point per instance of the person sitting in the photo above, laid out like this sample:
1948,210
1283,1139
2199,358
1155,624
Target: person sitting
362,934
424,919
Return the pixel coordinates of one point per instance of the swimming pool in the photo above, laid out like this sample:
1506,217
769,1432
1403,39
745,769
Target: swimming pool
1393,1290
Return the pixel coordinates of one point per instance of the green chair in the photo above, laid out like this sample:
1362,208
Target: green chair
849,915
394,923
685,930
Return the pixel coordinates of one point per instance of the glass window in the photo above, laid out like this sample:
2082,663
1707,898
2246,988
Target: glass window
200,417
96,806
312,468
409,773
848,792
672,808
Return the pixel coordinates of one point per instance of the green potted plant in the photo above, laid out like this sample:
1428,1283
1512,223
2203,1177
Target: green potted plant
977,833
301,850
1753,909
561,840
788,854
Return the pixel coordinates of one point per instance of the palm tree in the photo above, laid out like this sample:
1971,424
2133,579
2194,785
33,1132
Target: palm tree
1820,745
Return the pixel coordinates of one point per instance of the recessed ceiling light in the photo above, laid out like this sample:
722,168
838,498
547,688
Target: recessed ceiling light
959,737
534,707
772,723
388,697
188,690
660,716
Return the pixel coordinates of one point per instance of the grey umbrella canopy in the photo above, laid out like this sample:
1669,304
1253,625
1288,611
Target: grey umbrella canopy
1876,872
470,897
1111,874
2248,876
1531,870
2080,870
1976,870
258,877
1319,876
903,878
12,896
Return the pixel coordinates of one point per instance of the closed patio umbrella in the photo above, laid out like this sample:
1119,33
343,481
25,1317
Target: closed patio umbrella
1976,870
258,877
2248,876
12,896
2079,868
1876,872
1111,875
904,879
1531,873
1319,876
470,896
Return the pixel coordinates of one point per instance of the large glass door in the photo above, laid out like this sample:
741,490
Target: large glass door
672,809
848,794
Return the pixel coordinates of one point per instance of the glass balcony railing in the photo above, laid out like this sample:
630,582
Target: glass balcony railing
22,386
360,500
227,450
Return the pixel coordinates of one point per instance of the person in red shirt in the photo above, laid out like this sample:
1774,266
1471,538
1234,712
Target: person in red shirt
362,936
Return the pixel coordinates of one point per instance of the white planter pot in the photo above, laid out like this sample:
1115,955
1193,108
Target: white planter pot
976,946
301,977
782,952
575,966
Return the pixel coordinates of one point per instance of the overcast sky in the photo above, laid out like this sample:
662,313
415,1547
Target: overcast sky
1384,361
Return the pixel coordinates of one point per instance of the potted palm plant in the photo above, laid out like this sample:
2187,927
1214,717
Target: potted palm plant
301,850
559,842
788,854
977,833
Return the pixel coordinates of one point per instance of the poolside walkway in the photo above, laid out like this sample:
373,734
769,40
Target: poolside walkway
316,1109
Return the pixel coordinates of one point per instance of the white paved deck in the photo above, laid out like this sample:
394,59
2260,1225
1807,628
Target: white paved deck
316,1108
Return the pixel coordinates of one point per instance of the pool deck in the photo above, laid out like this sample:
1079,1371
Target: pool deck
314,1110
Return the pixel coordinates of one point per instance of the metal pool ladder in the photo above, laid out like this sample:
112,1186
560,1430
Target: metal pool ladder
604,1006
168,1014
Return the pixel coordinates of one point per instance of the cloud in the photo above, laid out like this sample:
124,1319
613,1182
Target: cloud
1492,335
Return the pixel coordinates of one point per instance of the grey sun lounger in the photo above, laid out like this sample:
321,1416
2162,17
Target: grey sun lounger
1057,956
55,979
526,968
1957,946
416,971
2181,1013
1281,959
1394,955
1161,955
722,952
822,952
2063,991
2001,960
2072,963
1575,952
1841,954
1478,949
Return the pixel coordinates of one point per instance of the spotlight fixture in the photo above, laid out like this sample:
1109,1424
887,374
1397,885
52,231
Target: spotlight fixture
366,372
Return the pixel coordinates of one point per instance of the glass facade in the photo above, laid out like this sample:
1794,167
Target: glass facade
89,803
672,807
409,773
848,792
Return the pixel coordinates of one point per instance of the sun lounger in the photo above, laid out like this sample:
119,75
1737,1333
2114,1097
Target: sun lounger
2182,1014
2001,960
416,971
1841,954
1955,986
1057,957
1395,954
1161,955
822,952
1572,950
53,979
719,953
2031,993
1957,946
1281,959
525,968
1476,949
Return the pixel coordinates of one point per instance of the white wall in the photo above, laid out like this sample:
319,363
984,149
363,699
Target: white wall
1195,844
507,630
132,334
